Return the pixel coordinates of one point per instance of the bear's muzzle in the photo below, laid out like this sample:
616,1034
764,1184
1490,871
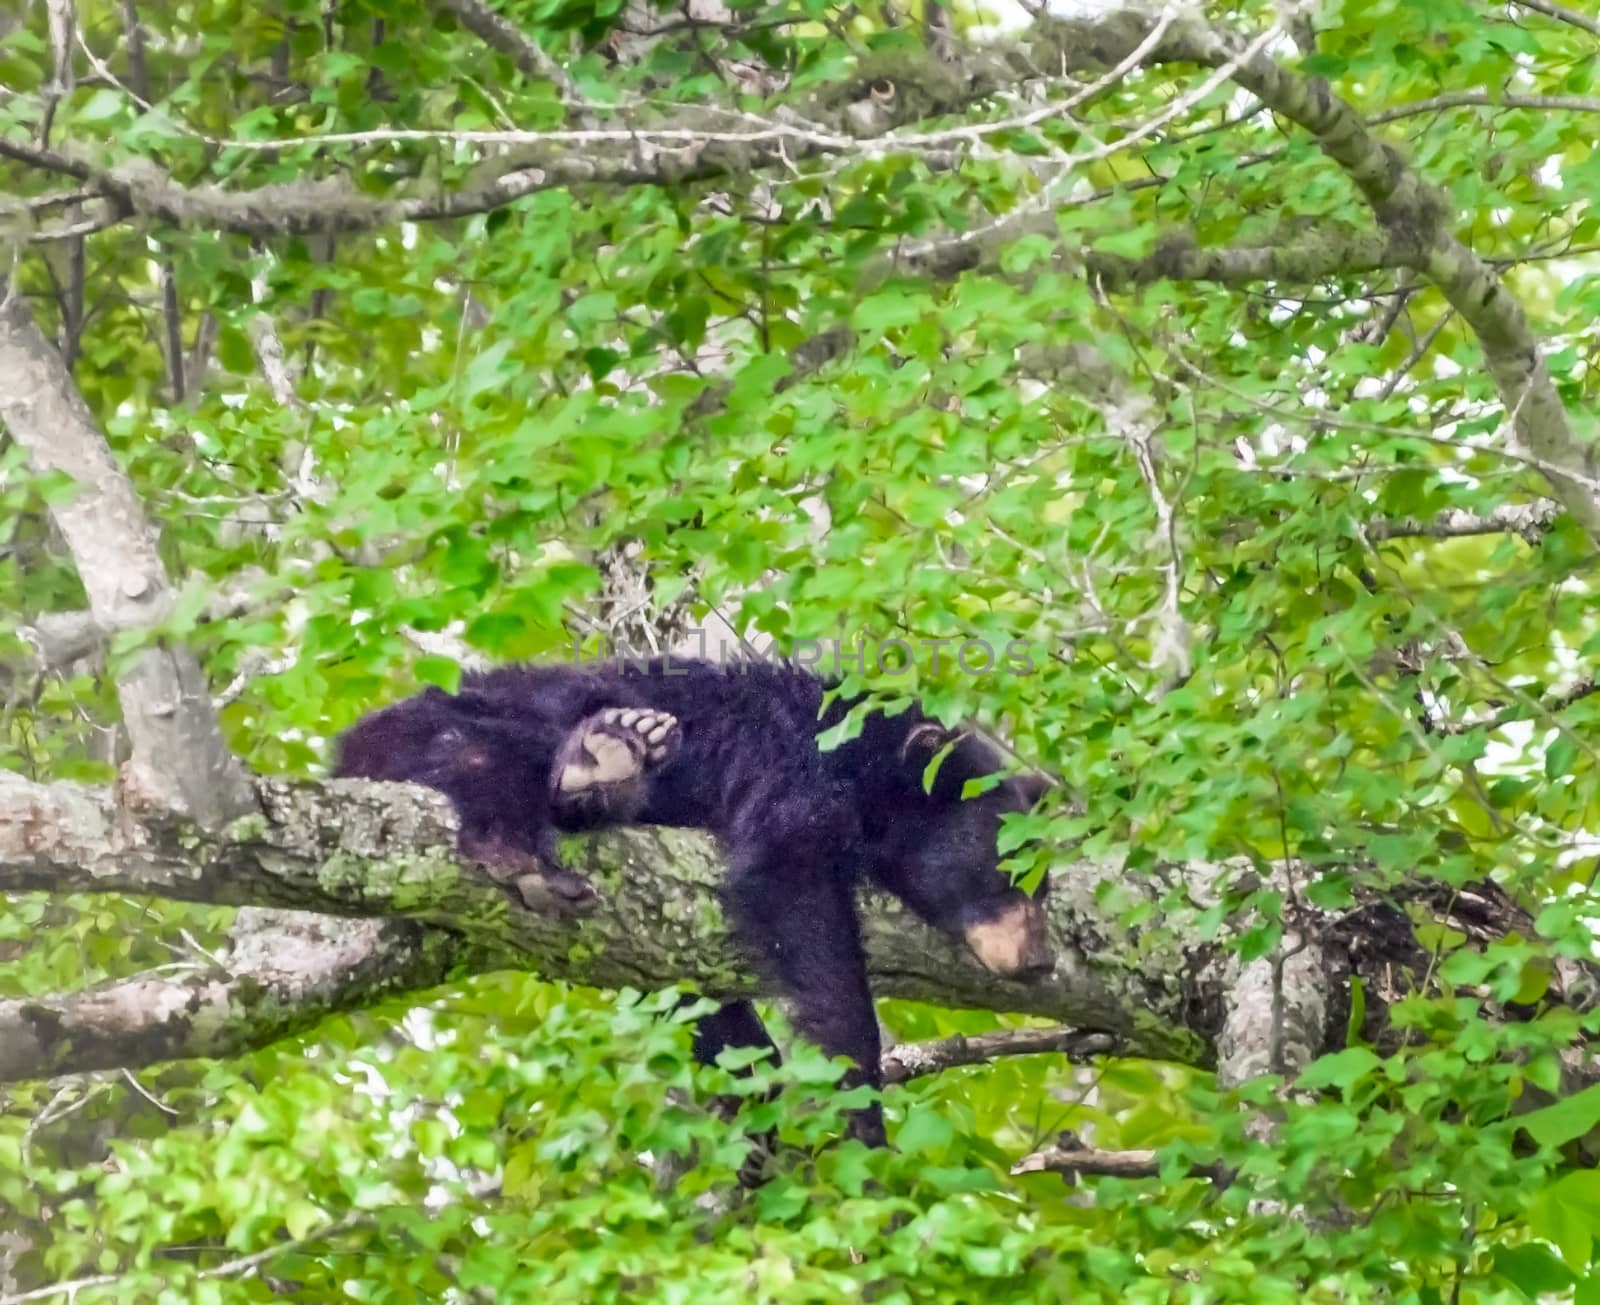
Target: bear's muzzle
1015,943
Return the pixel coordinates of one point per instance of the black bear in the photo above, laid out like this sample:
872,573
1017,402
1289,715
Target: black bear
525,752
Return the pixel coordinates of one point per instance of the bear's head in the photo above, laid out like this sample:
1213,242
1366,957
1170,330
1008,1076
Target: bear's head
436,739
942,856
494,771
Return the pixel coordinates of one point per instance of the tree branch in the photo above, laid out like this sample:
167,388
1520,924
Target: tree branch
1314,256
1531,710
911,1060
385,852
1486,100
1072,1157
500,33
328,207
694,145
234,1268
166,706
1562,15
1414,212
1530,520
285,971
58,639
361,849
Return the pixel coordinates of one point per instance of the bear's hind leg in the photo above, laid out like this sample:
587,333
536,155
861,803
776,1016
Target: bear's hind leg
600,771
736,1024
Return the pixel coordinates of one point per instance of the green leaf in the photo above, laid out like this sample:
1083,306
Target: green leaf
1340,1069
301,1217
1531,1269
1567,1213
445,672
924,1132
1570,1118
103,103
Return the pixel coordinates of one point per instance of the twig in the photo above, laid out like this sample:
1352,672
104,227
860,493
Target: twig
1416,355
1070,1156
145,1092
229,1269
912,1060
1486,99
1574,692
501,34
1552,10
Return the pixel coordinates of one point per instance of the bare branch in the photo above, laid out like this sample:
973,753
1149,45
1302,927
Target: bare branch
1530,520
236,1268
1562,15
1533,710
166,705
502,34
912,1060
1486,100
48,159
1418,351
1072,1157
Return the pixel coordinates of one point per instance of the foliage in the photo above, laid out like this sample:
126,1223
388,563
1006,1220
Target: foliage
1182,497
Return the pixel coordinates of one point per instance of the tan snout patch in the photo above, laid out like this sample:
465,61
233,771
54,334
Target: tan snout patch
1012,943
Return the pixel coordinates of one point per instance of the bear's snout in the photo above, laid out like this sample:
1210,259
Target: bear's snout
1015,943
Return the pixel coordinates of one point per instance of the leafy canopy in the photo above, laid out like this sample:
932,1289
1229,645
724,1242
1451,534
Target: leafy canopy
1182,495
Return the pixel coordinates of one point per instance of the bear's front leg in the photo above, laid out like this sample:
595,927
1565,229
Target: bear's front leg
532,875
796,916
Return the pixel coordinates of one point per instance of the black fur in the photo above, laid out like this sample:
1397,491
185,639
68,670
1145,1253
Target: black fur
801,827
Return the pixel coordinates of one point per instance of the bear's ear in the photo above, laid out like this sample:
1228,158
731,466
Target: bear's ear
469,703
922,740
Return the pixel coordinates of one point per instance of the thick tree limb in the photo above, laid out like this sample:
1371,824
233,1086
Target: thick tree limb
356,848
1331,251
58,639
385,852
165,703
285,971
1275,1017
139,187
332,207
1315,257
